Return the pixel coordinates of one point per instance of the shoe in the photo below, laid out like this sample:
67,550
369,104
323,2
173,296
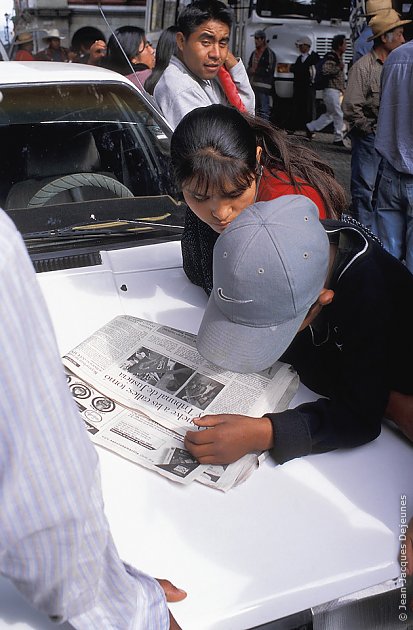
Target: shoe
339,143
310,134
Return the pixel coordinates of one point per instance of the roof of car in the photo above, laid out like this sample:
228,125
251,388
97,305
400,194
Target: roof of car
18,72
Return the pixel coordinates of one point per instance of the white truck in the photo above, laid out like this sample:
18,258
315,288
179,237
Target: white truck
311,544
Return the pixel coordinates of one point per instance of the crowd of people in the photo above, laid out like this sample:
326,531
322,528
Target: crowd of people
286,279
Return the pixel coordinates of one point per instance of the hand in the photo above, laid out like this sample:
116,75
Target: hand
97,51
172,594
230,61
228,437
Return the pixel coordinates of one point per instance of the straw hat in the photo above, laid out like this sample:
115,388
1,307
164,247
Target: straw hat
385,21
54,33
23,38
374,6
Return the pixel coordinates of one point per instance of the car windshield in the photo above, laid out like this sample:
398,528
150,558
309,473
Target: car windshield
82,145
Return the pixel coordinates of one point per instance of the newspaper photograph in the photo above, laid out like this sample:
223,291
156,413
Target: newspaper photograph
146,382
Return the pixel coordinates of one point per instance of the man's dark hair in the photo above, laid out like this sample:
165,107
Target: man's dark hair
338,41
202,11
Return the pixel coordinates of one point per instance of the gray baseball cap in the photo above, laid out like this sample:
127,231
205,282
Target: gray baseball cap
270,265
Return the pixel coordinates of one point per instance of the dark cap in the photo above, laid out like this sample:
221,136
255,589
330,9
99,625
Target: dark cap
260,33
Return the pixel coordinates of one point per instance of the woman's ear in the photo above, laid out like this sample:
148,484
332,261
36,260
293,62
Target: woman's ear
259,153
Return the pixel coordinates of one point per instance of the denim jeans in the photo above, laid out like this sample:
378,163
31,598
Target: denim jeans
364,166
263,104
332,100
394,212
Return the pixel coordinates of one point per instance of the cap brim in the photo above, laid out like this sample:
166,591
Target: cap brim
241,348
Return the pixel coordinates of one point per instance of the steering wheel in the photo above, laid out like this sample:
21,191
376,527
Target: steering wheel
97,180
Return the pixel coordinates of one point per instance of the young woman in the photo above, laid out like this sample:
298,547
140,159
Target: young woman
224,161
165,48
130,54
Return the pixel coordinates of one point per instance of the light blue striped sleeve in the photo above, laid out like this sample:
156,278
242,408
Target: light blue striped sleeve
55,543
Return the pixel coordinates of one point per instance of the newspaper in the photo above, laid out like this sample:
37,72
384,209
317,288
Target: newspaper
139,384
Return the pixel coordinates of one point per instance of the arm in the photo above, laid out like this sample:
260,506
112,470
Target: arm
240,77
227,437
55,543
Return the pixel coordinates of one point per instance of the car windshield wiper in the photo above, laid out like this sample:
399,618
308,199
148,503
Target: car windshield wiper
106,228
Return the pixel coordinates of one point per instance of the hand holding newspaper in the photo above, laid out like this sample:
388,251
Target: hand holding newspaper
138,385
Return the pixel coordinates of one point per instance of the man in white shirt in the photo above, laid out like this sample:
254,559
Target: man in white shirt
190,80
55,542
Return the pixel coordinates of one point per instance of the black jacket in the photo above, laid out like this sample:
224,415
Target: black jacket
359,348
262,79
302,70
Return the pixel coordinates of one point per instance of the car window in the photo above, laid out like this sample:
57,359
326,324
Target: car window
79,142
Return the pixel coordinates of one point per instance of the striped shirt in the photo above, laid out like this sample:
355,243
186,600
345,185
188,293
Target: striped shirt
55,543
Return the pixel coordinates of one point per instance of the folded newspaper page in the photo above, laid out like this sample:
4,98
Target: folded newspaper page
139,384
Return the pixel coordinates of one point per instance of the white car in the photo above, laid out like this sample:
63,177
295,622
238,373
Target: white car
310,544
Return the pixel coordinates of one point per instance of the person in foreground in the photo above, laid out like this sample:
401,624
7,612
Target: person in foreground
325,297
224,161
55,542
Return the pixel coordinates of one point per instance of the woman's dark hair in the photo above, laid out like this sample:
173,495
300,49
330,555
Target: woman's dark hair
216,147
201,11
131,39
165,48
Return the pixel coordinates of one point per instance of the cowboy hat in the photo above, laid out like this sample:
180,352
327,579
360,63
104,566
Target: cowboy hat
374,6
384,22
23,38
54,33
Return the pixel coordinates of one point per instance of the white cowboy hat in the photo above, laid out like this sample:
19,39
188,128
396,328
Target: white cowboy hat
54,33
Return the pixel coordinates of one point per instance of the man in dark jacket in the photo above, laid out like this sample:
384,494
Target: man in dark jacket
261,68
304,91
325,297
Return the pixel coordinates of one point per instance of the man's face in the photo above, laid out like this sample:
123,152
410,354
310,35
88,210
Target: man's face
303,48
54,43
394,39
206,49
259,41
342,48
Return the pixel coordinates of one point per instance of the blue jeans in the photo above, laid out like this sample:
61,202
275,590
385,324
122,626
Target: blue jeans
263,104
394,212
364,166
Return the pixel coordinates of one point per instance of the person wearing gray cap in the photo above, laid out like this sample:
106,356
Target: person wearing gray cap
303,70
324,297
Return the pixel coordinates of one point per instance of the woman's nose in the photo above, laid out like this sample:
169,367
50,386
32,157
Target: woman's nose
221,211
